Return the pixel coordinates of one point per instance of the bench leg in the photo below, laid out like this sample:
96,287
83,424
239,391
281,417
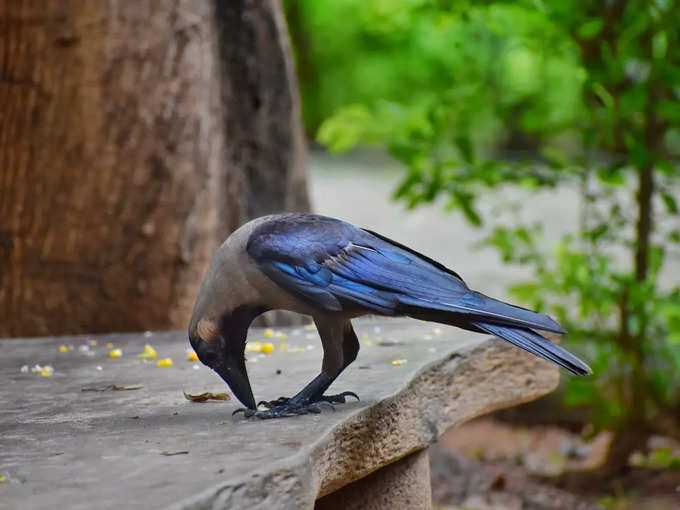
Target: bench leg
402,484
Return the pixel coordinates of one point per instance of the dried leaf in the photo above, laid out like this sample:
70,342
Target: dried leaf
113,387
203,397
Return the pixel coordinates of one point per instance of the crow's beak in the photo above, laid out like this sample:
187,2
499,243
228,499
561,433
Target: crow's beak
235,375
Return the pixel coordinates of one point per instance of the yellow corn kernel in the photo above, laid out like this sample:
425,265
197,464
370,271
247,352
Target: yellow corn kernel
398,362
283,347
109,345
115,353
63,348
268,333
46,371
192,356
268,348
2,479
165,362
149,353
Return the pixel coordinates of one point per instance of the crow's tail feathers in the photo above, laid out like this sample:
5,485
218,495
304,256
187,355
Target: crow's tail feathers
534,343
476,312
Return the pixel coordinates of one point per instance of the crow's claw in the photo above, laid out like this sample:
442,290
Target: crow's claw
274,403
340,398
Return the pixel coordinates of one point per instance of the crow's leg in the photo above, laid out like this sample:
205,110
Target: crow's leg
340,347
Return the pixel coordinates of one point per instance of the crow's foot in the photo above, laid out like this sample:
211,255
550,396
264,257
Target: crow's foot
340,398
284,406
282,410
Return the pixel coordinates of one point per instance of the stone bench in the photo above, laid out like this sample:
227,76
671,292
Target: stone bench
61,447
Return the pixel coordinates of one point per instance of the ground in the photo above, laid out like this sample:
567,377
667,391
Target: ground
496,464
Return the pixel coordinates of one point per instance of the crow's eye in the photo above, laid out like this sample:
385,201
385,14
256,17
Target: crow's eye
206,353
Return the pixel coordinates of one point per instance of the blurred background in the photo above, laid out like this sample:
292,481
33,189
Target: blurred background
533,146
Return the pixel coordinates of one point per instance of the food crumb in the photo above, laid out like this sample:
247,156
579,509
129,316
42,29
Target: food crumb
268,348
2,479
36,369
63,348
195,366
92,343
281,335
283,347
47,371
147,334
254,347
191,355
398,362
115,353
149,353
99,367
109,345
165,362
24,369
268,333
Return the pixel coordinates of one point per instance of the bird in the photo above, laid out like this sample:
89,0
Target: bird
334,272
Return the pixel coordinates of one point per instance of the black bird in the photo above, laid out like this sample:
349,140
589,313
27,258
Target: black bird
334,271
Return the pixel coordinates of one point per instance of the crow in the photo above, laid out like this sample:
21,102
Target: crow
334,272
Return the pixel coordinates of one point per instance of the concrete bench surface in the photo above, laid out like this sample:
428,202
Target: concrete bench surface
61,447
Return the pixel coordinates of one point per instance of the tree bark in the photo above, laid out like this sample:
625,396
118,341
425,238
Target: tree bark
134,136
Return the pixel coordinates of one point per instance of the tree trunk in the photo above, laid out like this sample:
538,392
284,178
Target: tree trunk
134,136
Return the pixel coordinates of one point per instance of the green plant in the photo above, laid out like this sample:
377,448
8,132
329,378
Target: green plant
546,94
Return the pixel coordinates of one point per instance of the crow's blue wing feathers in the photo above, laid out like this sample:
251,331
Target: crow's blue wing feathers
334,266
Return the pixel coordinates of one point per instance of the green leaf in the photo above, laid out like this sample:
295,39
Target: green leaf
667,167
466,203
603,94
346,129
556,156
590,28
526,292
669,110
669,201
465,147
612,175
659,45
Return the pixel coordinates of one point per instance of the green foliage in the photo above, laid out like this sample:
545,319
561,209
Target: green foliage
537,93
